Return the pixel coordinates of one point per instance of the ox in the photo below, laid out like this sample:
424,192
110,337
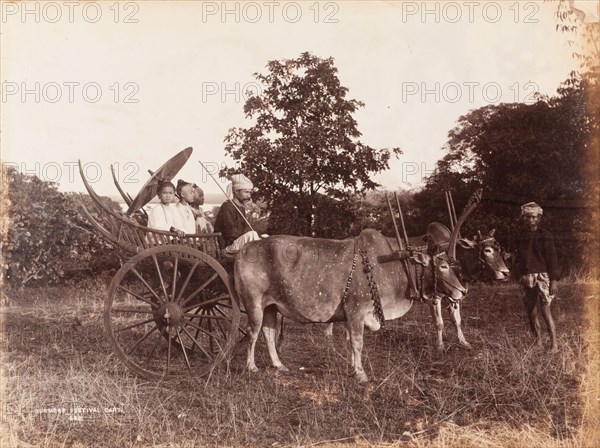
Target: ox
313,280
480,258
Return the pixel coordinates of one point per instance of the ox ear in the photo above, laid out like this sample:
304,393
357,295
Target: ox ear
492,232
465,243
421,258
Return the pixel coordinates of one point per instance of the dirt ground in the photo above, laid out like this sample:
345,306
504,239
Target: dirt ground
63,386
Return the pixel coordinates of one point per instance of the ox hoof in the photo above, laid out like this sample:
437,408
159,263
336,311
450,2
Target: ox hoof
466,345
252,369
439,348
361,377
282,368
554,349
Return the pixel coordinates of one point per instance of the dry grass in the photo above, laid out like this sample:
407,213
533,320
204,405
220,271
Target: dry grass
504,393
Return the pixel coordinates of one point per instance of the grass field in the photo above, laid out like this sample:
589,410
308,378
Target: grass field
62,386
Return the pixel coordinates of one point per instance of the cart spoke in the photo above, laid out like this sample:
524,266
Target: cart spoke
206,302
137,324
218,308
202,349
187,280
145,283
160,277
187,361
143,338
130,310
205,316
197,331
137,296
162,334
199,290
218,322
225,304
202,330
175,267
168,349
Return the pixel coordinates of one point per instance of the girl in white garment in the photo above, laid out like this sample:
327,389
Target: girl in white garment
185,193
164,216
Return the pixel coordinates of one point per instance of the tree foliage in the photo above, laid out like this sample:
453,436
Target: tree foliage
544,152
47,241
304,141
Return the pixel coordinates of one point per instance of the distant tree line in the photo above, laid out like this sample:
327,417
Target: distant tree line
303,152
314,175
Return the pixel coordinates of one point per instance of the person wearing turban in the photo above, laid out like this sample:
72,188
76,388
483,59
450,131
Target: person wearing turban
230,221
537,267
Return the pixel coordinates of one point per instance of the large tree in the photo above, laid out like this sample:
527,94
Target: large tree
544,152
547,151
303,149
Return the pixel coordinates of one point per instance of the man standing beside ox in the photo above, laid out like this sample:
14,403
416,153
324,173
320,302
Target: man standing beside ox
537,266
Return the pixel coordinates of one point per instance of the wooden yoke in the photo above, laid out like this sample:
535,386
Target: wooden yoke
452,208
402,254
449,207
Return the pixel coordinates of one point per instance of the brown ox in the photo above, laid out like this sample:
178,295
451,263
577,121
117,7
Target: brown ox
305,279
480,258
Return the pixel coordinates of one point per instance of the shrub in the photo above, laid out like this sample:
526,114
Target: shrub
46,240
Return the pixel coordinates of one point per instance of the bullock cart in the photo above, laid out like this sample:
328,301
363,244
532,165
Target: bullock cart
171,308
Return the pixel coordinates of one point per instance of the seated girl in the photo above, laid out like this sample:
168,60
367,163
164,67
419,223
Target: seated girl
164,216
185,193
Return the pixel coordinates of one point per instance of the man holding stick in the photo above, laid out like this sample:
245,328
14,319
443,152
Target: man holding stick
231,220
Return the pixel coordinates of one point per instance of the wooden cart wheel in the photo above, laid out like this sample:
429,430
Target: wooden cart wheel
172,310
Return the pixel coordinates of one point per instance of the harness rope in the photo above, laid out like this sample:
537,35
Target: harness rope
368,270
347,288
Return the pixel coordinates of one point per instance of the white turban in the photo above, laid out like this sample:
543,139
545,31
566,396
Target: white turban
531,208
238,182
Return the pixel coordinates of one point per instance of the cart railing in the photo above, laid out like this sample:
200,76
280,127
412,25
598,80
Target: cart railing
133,237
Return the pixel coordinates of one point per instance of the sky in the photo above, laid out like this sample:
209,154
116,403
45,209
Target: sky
133,83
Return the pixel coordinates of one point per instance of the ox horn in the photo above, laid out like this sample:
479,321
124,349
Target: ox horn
469,207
